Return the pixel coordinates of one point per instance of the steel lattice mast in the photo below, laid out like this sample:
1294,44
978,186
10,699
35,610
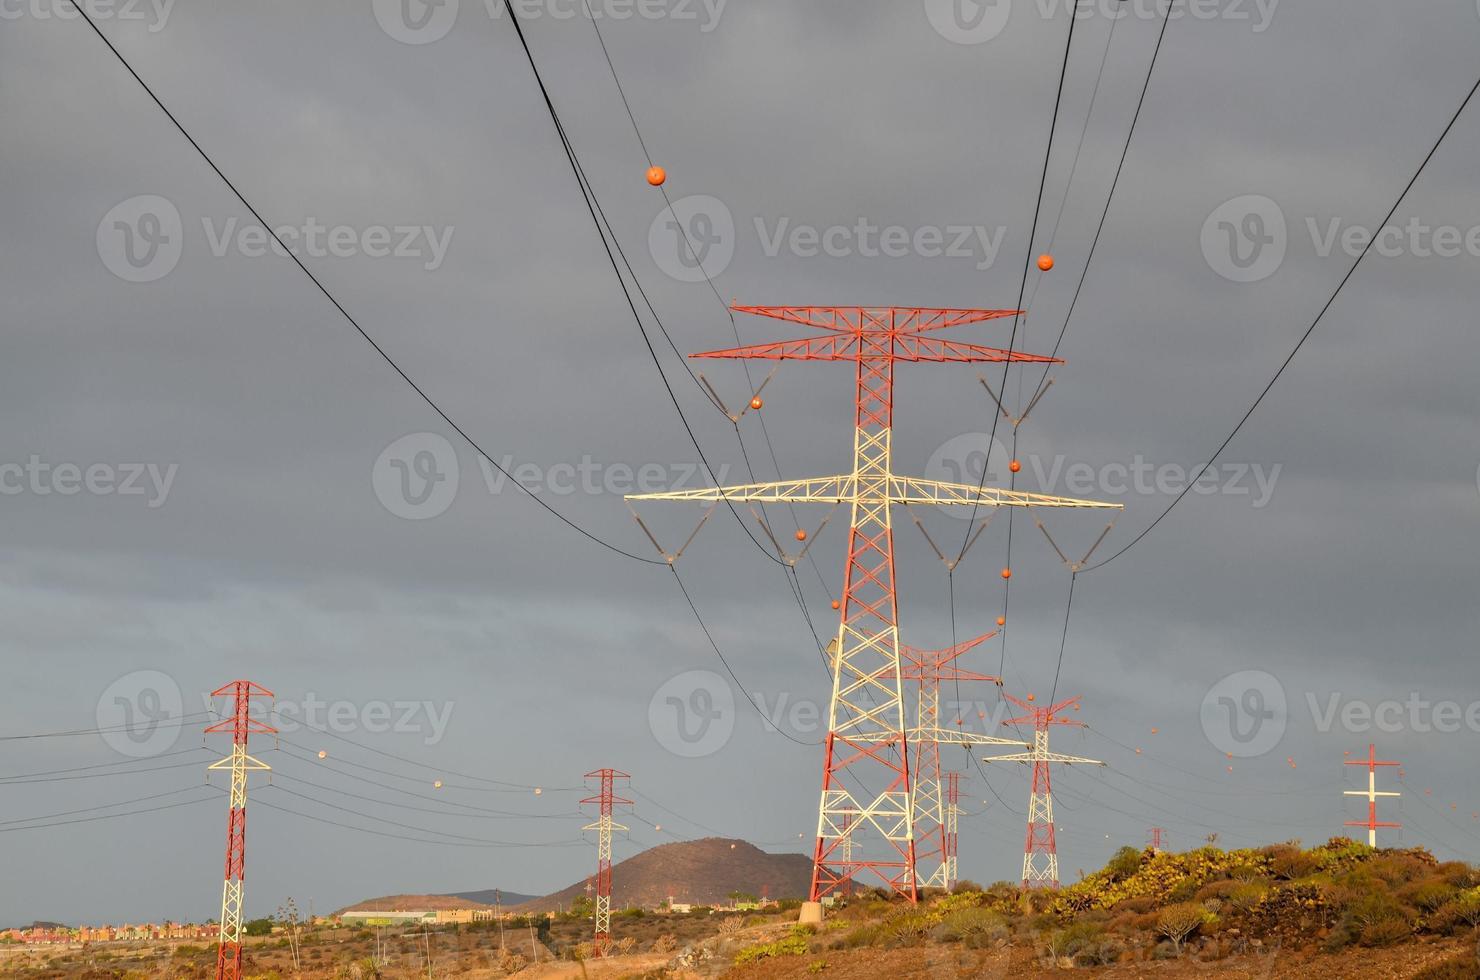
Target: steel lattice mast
605,799
866,736
953,815
1040,852
240,724
1371,793
933,858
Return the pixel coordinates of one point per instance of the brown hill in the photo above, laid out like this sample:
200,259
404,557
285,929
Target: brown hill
402,903
701,872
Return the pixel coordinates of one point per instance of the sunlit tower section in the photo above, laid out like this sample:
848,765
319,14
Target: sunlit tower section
605,800
241,725
866,772
1371,793
1156,839
929,668
1040,853
953,817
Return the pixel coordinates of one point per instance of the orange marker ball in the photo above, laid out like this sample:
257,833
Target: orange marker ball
836,604
1001,620
801,535
1030,697
437,784
1045,262
1138,752
1015,466
756,404
1007,573
656,176
323,754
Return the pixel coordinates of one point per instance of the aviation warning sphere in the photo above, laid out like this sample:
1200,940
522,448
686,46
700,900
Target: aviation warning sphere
656,176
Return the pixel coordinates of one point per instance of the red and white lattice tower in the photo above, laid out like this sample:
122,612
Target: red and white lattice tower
240,725
1040,852
605,801
1156,839
866,769
953,815
929,668
1371,793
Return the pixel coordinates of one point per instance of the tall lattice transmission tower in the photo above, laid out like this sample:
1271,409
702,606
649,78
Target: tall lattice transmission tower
933,859
1371,793
605,799
953,820
1040,852
241,724
866,768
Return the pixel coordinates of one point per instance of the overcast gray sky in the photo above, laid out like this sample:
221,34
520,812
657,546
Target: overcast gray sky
244,515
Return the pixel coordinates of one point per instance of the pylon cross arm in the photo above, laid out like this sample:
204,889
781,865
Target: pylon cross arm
946,736
1057,758
850,489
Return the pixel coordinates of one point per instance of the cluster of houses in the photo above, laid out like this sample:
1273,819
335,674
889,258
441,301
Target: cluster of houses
62,935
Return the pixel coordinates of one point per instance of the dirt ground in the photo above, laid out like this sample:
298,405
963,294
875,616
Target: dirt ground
944,963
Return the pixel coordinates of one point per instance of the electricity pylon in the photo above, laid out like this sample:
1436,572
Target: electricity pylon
953,815
604,827
1371,793
933,860
1040,852
866,733
240,724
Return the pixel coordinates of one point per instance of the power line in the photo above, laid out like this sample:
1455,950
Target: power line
124,727
24,776
1110,197
1306,335
344,312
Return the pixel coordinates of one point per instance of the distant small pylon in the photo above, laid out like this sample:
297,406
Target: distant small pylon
605,799
1371,793
1040,853
1157,839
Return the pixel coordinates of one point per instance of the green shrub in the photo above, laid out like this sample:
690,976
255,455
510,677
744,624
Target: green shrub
1123,863
790,946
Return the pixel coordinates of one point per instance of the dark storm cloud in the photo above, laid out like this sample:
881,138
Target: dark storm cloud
272,556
